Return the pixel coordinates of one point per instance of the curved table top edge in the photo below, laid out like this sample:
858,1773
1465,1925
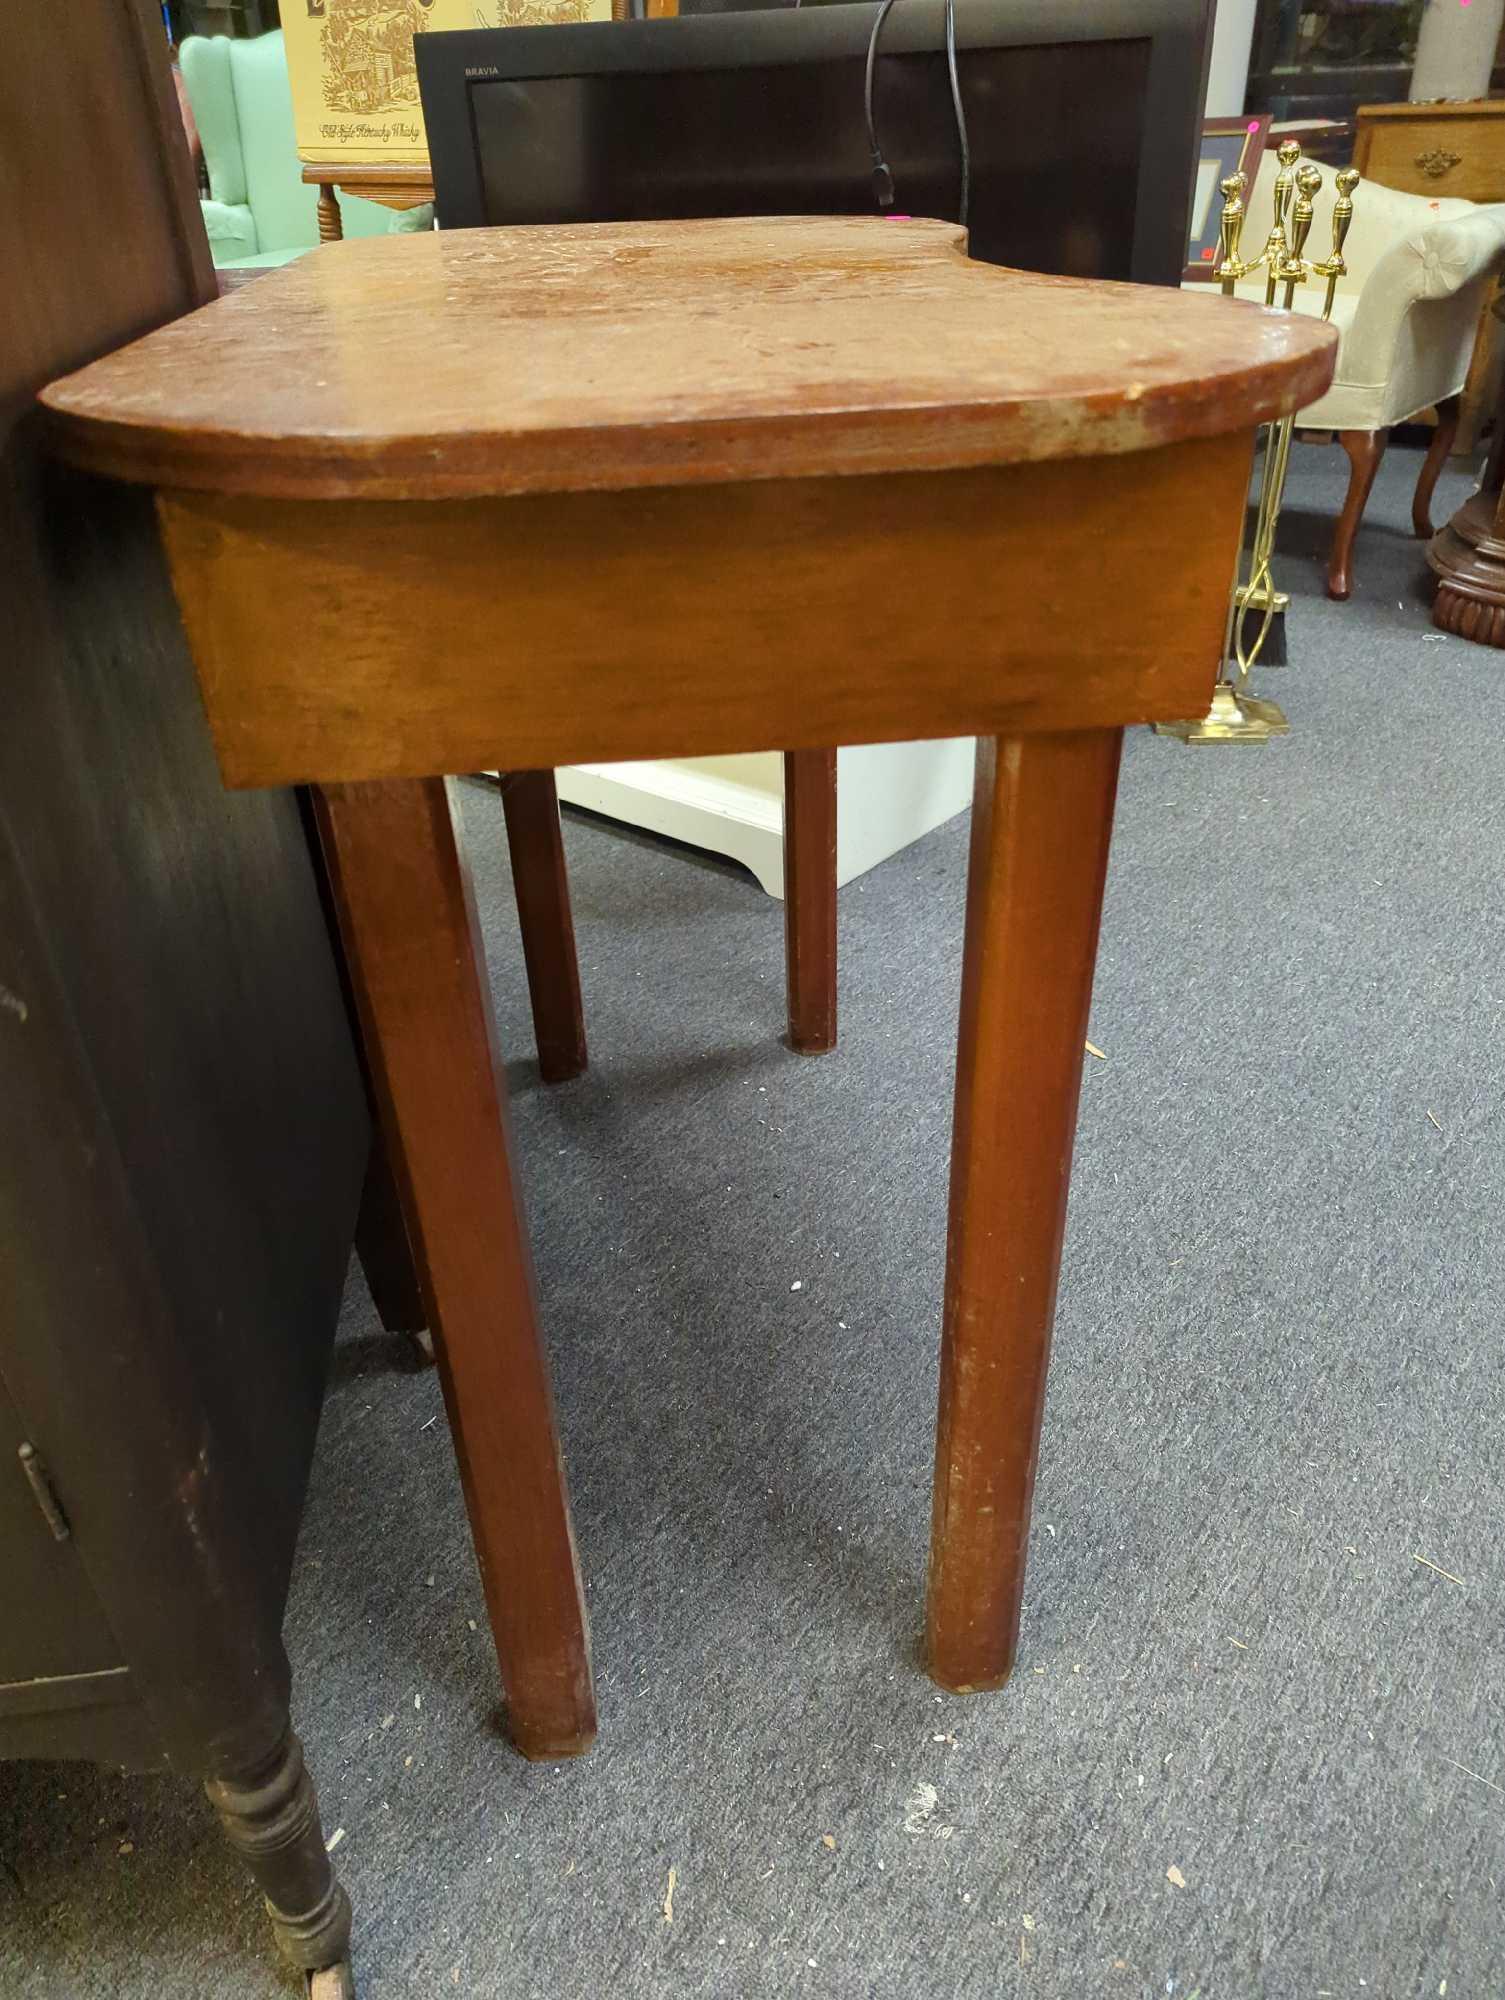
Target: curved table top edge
1283,363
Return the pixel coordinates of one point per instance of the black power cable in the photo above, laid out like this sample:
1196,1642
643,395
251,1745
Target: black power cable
883,179
961,116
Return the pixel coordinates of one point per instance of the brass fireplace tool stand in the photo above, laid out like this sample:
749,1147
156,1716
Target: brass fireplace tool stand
1236,715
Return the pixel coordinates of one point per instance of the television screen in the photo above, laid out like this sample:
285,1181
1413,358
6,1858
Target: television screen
1083,122
791,138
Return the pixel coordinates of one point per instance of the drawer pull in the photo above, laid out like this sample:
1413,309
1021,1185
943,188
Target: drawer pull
1438,162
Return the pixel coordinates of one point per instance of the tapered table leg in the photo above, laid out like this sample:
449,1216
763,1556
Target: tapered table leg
381,1243
810,898
413,943
1041,821
541,883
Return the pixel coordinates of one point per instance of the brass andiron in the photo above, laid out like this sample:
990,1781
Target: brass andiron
1332,268
1236,716
1284,266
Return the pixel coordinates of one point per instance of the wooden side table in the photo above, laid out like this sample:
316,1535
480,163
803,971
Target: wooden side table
395,184
401,184
534,497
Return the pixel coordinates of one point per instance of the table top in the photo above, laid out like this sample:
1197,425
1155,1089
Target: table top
611,356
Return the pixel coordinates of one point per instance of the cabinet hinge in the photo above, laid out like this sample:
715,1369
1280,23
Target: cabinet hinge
42,1492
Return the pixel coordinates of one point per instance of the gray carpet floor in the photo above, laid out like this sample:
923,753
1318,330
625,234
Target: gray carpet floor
1255,1747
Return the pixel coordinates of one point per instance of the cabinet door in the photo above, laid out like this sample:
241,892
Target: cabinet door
53,1627
185,1129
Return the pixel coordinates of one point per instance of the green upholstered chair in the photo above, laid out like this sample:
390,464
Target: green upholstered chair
260,212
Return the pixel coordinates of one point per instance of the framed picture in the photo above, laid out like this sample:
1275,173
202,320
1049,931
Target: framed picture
1229,146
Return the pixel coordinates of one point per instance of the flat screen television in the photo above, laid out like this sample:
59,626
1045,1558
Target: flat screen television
1084,121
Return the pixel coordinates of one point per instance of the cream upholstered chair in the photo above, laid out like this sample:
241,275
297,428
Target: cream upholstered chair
1407,313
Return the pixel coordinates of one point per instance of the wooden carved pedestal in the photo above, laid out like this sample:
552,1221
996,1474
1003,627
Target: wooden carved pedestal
1469,558
1468,555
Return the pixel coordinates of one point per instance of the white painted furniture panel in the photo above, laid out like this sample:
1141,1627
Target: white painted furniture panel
887,795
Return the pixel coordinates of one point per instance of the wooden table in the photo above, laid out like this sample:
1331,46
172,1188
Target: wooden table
396,184
553,496
392,182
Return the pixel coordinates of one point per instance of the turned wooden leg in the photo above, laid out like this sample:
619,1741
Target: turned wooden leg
331,221
1041,819
542,886
270,1815
413,943
1365,450
1432,464
810,898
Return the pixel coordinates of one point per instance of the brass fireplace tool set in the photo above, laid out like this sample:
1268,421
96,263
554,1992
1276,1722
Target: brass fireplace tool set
1237,716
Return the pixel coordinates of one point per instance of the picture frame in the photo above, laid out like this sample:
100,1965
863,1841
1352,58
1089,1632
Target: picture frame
1229,145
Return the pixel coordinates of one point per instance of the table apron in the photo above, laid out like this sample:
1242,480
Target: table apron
345,640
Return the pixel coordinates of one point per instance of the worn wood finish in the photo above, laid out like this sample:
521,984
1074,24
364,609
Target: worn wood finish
405,907
542,608
1365,450
1041,819
530,802
303,680
459,363
810,898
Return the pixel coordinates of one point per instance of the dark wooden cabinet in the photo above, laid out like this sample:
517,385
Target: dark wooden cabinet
183,1122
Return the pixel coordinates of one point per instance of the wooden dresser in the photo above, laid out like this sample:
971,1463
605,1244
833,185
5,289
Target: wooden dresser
1457,150
184,1120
